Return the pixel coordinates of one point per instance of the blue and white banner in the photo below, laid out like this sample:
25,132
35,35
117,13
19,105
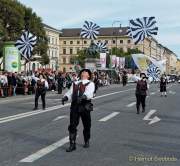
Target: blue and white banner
148,65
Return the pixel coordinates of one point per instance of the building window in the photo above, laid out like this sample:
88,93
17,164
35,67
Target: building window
85,42
78,42
71,51
106,41
78,49
64,60
52,53
52,40
121,41
114,41
49,40
129,41
71,42
64,51
64,42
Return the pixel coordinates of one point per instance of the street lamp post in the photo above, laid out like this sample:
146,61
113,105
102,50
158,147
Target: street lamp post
114,22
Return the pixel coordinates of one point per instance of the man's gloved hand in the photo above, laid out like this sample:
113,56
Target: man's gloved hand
81,98
65,98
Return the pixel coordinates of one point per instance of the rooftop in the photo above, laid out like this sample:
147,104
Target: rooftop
108,31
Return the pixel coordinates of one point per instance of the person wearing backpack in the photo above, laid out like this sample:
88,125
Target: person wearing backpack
141,92
80,94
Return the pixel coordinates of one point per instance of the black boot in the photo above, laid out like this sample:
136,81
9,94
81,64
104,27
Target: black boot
72,147
143,110
86,144
137,111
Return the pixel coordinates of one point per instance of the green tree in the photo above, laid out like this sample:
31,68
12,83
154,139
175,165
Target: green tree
12,14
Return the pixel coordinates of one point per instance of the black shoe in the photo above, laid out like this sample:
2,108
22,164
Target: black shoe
71,148
44,108
137,112
86,145
143,110
35,108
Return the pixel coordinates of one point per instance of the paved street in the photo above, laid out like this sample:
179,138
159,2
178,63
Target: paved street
120,137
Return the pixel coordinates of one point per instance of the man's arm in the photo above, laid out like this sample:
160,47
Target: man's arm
89,91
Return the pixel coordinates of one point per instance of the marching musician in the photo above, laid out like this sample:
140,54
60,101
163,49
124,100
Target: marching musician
40,90
80,94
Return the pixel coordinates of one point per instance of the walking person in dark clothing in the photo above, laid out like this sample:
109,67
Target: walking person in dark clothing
60,82
163,84
40,90
141,93
96,82
124,78
14,83
10,84
81,93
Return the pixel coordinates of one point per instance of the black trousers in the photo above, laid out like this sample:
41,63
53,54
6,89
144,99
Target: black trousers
140,100
96,87
43,95
60,89
75,116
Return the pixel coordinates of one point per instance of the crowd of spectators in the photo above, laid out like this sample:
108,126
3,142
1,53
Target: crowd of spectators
12,84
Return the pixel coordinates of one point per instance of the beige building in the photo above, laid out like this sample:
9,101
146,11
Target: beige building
53,51
71,42
178,67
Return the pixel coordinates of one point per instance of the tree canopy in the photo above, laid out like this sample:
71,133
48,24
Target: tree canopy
12,23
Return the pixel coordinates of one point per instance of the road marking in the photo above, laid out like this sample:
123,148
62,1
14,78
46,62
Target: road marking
110,116
171,92
60,117
152,120
45,151
131,104
152,93
109,94
31,113
21,98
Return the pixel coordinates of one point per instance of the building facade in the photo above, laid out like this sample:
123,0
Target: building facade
71,42
178,67
53,51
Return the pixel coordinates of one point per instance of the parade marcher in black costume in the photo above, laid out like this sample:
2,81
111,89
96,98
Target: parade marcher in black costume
80,94
163,84
40,90
141,93
60,82
124,78
96,82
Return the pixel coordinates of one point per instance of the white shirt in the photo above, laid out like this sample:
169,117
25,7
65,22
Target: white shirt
89,90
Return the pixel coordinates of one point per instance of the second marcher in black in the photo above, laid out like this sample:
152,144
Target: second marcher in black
141,93
80,94
163,84
40,90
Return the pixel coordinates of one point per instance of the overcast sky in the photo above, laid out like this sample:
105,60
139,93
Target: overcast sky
72,13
